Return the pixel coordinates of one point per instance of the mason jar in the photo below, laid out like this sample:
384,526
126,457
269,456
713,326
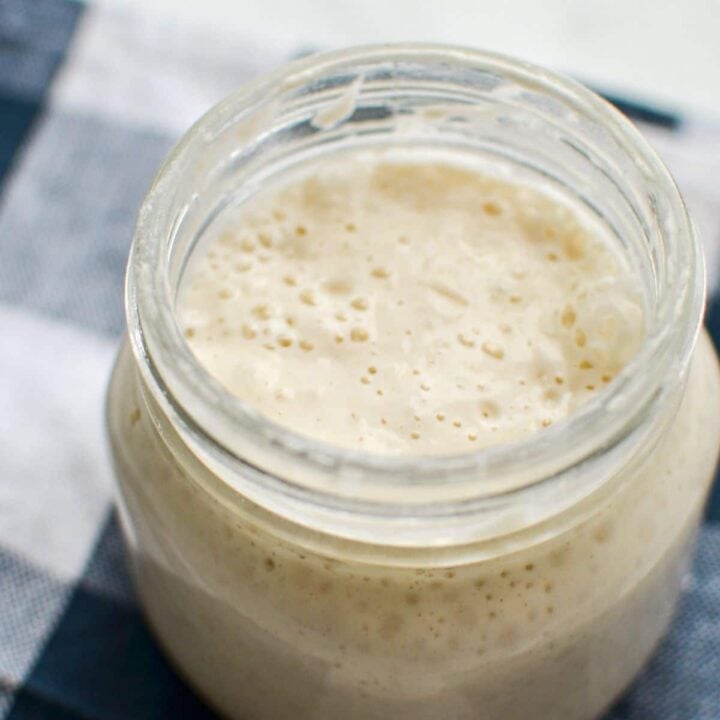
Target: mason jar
289,578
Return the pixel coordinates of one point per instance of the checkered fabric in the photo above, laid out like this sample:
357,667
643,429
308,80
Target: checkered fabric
91,99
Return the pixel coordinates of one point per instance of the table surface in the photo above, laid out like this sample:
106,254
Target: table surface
664,50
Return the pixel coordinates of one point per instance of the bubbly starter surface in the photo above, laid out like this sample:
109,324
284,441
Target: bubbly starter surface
397,306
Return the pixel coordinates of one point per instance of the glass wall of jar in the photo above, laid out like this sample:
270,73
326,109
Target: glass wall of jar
289,578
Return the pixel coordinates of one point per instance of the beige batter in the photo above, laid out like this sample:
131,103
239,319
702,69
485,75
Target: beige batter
408,307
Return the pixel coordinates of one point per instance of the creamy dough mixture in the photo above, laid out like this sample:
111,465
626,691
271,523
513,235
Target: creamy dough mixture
409,307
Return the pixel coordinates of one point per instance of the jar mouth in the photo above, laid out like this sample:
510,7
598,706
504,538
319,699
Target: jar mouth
234,433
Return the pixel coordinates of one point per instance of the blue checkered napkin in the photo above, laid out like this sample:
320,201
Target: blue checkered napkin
90,101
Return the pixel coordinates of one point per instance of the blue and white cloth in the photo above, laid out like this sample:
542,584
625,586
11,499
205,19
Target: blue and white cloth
91,99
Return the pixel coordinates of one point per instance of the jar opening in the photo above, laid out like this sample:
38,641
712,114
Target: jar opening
511,113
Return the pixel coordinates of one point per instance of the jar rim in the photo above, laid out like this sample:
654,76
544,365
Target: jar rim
202,404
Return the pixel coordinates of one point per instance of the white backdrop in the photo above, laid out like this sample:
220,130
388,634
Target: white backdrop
668,50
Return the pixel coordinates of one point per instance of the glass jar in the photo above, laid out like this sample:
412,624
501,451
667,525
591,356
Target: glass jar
287,578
